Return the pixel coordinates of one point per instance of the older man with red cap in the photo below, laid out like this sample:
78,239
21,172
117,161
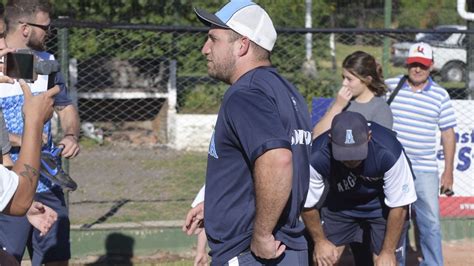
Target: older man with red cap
420,108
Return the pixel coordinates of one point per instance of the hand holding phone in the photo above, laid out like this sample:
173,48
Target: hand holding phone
446,191
4,78
20,65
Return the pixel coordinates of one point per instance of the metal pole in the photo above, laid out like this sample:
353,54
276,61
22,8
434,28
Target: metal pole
470,55
309,66
308,25
63,36
386,40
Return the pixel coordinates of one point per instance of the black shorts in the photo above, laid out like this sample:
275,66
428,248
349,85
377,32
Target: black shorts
342,229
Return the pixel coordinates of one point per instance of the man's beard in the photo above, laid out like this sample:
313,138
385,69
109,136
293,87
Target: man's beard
35,44
223,72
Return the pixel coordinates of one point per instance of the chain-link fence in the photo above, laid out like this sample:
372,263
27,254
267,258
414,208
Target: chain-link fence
125,77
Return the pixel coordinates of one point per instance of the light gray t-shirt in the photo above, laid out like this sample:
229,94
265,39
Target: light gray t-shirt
376,110
4,140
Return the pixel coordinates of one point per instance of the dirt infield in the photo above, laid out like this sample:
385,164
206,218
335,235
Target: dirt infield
456,253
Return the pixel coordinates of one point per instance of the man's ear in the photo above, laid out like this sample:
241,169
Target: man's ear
431,67
25,30
244,46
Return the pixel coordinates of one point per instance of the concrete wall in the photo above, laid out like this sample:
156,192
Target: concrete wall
191,132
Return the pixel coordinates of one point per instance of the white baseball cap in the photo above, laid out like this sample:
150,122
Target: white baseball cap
420,53
246,18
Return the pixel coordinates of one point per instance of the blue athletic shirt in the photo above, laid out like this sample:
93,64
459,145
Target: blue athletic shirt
261,111
11,102
384,179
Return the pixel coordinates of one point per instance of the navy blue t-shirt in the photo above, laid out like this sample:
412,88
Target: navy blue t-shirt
62,98
261,111
360,192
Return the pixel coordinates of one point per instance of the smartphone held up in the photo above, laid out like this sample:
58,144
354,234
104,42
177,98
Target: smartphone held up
20,65
23,64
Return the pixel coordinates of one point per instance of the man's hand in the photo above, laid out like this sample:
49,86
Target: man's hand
325,253
38,108
386,259
41,217
447,181
201,259
194,222
5,79
71,147
266,247
69,118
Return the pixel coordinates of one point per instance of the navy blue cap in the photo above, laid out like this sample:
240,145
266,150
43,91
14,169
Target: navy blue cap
349,136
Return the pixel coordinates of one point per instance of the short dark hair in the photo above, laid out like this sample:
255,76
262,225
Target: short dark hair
17,10
260,53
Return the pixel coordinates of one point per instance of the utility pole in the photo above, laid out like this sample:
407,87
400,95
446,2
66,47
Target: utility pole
309,66
470,54
386,40
469,16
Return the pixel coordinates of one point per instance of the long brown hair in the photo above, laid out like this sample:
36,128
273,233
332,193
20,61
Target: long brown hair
363,65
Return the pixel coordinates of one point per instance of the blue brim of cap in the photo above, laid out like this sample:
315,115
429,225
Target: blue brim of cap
209,19
350,153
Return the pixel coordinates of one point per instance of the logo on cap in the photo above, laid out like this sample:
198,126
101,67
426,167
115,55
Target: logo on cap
349,137
420,49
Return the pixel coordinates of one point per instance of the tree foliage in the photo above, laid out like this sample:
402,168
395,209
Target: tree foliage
85,43
427,13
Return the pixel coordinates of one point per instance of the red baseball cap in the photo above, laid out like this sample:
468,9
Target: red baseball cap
420,53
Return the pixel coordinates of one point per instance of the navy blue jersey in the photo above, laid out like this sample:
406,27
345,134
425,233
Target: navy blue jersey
259,112
384,179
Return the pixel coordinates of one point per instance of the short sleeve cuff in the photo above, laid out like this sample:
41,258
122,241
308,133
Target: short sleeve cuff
269,145
9,183
199,197
444,128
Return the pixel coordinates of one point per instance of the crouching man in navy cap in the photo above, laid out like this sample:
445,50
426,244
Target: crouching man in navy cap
360,180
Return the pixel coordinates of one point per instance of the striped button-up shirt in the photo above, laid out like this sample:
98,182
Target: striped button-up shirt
417,115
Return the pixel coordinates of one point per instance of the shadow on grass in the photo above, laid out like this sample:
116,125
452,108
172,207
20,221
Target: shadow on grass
119,251
119,204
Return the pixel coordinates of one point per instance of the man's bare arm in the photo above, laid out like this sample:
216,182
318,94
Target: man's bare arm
37,110
396,220
325,252
449,148
273,175
69,118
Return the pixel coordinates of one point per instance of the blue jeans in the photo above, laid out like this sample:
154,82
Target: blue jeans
427,217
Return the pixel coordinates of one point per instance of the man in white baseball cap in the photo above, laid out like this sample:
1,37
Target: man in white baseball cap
420,108
420,53
257,170
246,18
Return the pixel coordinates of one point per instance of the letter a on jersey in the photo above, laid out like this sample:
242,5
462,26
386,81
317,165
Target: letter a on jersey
349,137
